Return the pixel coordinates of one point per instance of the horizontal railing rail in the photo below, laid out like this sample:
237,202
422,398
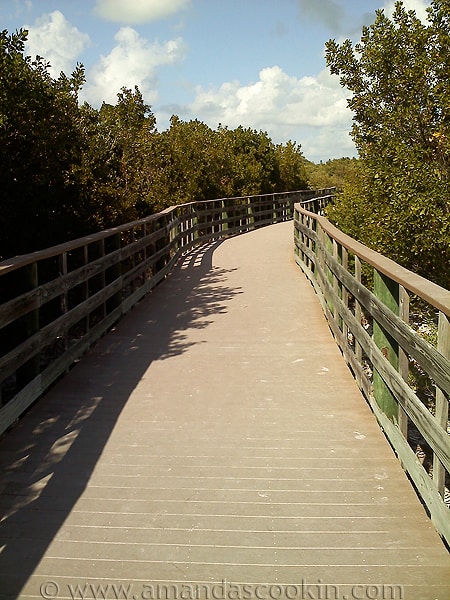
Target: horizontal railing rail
392,327
54,304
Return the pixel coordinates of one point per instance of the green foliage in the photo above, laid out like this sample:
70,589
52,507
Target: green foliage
292,167
333,173
191,161
399,77
39,146
253,167
114,173
187,165
68,170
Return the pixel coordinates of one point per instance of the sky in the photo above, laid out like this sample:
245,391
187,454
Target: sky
256,63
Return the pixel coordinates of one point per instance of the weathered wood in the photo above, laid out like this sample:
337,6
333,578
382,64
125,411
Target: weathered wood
397,342
441,410
115,269
422,418
21,305
415,345
114,273
427,290
403,362
222,472
18,307
439,512
358,313
27,326
387,291
27,395
11,264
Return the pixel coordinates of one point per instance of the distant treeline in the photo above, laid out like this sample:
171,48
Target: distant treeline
68,170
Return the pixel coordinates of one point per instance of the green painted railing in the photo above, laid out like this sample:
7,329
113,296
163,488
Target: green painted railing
399,359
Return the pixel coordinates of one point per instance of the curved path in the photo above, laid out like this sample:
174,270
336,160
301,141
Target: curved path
214,445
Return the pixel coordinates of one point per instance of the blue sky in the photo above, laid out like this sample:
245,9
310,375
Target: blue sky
255,63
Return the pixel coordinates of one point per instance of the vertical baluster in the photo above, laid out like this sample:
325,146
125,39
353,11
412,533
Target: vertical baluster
358,312
103,275
85,287
387,291
224,217
441,400
64,295
344,292
335,281
403,363
27,280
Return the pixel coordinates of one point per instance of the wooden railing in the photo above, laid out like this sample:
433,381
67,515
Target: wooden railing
405,376
56,303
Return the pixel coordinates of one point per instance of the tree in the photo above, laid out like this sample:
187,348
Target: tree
335,172
194,162
39,146
292,167
190,162
116,166
253,166
399,75
68,170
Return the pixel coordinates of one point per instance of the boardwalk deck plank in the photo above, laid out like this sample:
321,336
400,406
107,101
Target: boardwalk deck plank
214,438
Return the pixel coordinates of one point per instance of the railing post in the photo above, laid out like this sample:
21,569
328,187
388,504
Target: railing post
224,217
441,412
319,252
114,272
250,214
163,242
85,287
64,295
194,223
403,362
358,311
387,291
296,235
175,231
328,247
28,325
343,290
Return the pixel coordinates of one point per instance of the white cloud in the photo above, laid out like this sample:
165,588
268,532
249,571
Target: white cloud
277,98
56,40
138,11
419,6
133,61
310,110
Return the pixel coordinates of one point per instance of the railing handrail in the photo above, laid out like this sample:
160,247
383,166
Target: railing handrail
25,259
371,325
69,295
56,302
434,294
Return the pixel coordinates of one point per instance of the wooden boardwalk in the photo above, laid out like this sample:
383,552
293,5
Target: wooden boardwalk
214,445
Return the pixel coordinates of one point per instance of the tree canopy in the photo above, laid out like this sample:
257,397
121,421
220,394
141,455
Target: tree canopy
399,76
67,170
39,145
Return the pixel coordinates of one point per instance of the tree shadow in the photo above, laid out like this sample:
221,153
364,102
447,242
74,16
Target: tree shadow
46,460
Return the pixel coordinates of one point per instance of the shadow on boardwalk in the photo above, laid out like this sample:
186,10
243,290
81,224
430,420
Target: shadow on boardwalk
47,459
216,435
